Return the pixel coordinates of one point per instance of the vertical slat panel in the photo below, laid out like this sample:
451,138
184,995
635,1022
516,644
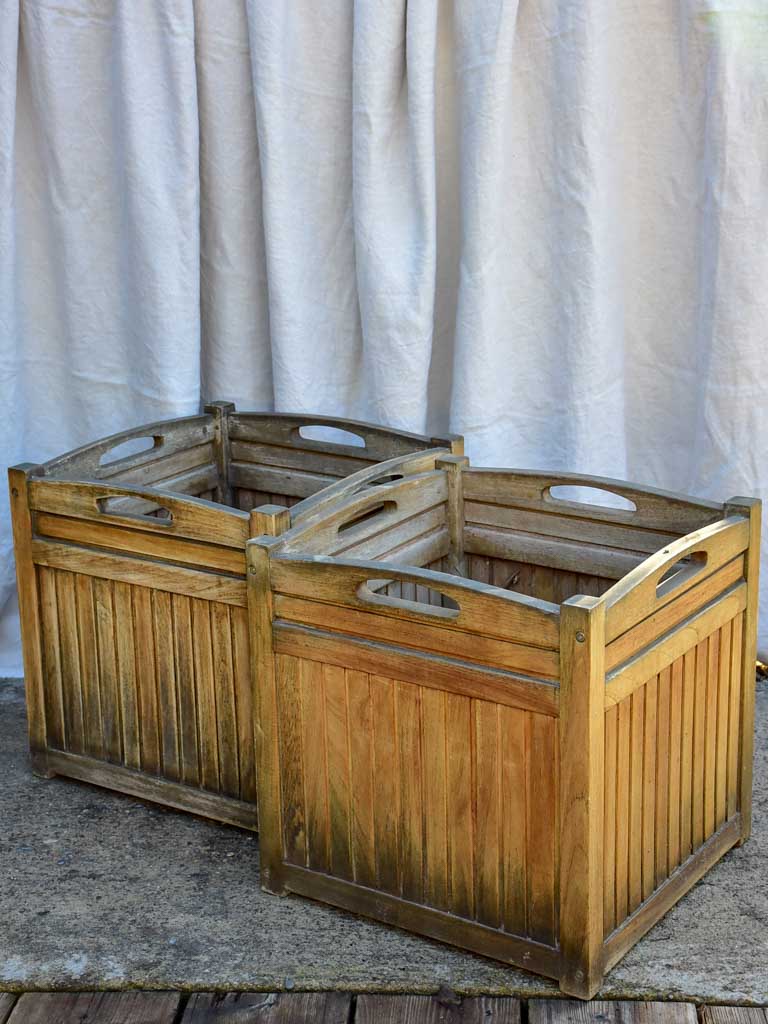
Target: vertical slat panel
49,620
167,704
649,789
488,883
243,703
183,648
609,819
409,773
315,773
126,675
686,754
144,652
637,706
206,694
734,715
226,712
622,810
289,715
542,788
386,791
435,798
710,741
512,723
662,776
461,847
723,695
699,745
110,701
360,726
675,763
89,666
339,802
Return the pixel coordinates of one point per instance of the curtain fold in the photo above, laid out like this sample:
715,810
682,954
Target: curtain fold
538,224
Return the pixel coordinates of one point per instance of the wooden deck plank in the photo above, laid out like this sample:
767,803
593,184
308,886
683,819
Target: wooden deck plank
443,1008
7,999
734,1015
571,1011
96,1008
268,1008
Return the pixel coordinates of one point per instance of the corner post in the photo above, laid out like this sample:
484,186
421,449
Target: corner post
456,442
220,412
750,508
582,767
267,523
29,615
454,466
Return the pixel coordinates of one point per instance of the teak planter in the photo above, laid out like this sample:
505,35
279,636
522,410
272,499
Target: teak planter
518,724
131,579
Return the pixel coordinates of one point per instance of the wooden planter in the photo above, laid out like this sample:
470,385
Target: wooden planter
131,578
455,741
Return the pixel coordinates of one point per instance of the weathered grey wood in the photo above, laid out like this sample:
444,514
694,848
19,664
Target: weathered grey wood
7,999
96,1008
443,1008
567,1011
734,1015
268,1008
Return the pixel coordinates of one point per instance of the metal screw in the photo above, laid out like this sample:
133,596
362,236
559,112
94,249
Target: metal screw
252,570
580,638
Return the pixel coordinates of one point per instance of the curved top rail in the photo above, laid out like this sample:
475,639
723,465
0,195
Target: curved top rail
654,509
370,480
378,442
168,437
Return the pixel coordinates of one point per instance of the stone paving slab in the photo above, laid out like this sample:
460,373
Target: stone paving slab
99,891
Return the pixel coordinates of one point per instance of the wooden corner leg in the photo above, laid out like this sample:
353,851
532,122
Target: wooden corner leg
40,768
751,509
221,412
271,521
582,732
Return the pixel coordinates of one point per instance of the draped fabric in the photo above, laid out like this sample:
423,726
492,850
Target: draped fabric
540,223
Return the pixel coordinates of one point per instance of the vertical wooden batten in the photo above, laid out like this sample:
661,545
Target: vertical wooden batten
582,725
267,523
29,615
454,466
751,509
221,412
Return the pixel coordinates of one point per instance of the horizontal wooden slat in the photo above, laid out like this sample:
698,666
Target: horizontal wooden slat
153,788
568,1011
393,537
327,463
588,559
442,1008
644,591
655,658
475,647
430,670
421,550
482,608
268,1008
276,481
192,518
436,924
118,538
673,613
144,573
199,482
168,466
655,510
96,1008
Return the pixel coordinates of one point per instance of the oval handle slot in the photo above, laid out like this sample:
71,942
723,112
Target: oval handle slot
124,450
576,494
331,435
425,600
681,572
135,508
367,516
382,481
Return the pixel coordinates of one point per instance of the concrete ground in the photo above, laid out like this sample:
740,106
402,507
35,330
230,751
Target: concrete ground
100,891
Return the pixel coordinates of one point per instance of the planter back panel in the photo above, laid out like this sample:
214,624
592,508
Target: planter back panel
539,775
133,598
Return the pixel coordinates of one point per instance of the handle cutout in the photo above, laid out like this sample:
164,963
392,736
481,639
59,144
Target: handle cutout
133,446
382,481
331,435
366,516
576,494
135,508
681,572
408,596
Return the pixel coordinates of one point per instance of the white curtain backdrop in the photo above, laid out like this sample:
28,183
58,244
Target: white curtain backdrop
542,224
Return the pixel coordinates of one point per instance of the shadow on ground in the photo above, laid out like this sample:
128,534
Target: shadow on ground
101,891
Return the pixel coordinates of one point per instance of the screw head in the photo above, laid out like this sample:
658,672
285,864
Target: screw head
580,638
